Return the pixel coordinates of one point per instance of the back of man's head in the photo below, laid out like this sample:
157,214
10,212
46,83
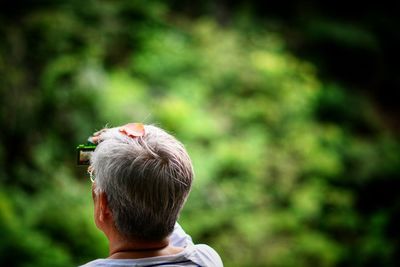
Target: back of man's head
146,179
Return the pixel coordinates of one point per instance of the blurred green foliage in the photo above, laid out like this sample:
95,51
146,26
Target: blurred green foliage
290,170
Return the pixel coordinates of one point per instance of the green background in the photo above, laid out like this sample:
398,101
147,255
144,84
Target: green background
286,112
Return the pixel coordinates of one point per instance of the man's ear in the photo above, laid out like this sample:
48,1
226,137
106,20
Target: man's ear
93,192
105,212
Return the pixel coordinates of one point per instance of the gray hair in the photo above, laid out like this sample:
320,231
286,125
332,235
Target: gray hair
146,179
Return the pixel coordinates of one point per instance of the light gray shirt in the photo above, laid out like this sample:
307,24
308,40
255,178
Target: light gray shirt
192,255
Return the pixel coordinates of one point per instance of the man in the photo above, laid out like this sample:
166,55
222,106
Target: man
141,179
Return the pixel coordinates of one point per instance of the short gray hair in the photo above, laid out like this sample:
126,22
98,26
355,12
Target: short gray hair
146,179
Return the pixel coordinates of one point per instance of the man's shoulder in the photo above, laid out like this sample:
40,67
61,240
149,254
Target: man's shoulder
204,255
98,262
192,255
